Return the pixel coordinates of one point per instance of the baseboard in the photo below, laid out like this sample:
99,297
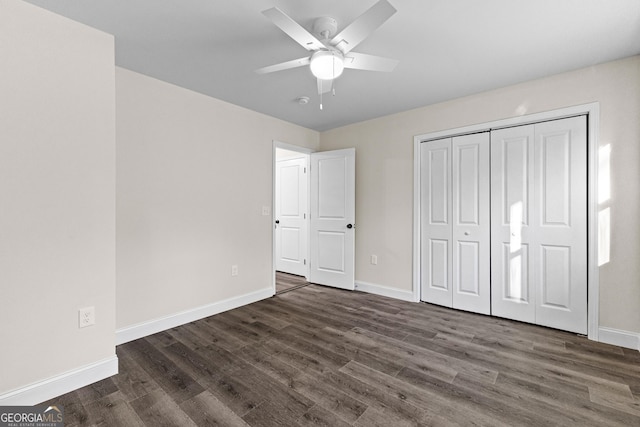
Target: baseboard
151,327
384,291
42,391
620,338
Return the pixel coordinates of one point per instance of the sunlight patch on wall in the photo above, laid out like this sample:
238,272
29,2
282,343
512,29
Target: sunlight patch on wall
604,196
604,173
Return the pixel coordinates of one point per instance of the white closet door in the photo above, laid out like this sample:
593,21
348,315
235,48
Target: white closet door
539,225
455,222
471,228
511,181
435,166
560,215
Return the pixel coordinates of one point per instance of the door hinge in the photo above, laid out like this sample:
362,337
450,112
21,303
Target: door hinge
305,262
305,170
304,216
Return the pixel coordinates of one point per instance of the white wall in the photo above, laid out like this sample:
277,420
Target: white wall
384,173
193,173
57,187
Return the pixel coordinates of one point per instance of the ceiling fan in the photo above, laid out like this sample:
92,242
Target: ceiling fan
331,54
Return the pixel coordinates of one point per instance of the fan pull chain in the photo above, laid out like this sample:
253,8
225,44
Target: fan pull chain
333,82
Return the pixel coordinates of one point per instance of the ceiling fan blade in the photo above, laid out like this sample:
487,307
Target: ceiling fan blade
284,65
364,25
362,61
324,86
293,29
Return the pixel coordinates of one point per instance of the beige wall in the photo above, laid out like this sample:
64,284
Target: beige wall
193,173
57,187
384,173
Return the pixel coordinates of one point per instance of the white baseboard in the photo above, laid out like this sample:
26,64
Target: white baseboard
42,391
620,338
384,291
151,327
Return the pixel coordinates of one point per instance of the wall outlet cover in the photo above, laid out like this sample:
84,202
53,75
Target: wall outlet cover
86,317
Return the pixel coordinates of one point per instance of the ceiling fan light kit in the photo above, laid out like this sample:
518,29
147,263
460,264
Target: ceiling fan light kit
327,64
333,54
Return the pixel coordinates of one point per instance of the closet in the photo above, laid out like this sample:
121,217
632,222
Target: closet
504,223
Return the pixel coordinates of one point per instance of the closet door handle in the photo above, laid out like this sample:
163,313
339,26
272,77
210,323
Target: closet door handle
349,226
466,233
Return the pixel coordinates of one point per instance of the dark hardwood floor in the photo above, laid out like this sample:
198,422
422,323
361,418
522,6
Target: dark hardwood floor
286,282
318,356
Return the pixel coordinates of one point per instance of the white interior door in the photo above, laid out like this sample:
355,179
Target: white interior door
436,247
332,222
512,295
471,231
560,198
455,243
290,216
539,223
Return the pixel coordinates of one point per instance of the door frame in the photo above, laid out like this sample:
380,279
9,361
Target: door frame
592,111
306,151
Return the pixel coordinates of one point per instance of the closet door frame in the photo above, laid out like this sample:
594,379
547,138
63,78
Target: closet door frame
592,111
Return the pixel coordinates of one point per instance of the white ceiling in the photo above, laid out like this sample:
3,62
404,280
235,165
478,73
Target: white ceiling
446,48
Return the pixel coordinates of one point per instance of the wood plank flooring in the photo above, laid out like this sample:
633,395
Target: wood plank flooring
318,356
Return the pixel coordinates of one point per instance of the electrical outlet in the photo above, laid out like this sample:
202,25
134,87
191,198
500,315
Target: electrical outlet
86,317
234,270
374,259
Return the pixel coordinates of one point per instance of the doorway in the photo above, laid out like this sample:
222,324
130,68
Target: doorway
314,215
290,212
290,215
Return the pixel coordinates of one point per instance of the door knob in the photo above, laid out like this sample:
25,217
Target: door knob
466,233
349,225
277,221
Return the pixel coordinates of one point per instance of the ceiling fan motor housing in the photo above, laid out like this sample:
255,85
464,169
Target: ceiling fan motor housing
325,26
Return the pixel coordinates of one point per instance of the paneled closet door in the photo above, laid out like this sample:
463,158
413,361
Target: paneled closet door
435,166
471,228
539,223
512,295
560,198
455,222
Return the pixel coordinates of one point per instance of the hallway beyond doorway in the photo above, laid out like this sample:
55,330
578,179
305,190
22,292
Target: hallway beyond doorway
286,282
